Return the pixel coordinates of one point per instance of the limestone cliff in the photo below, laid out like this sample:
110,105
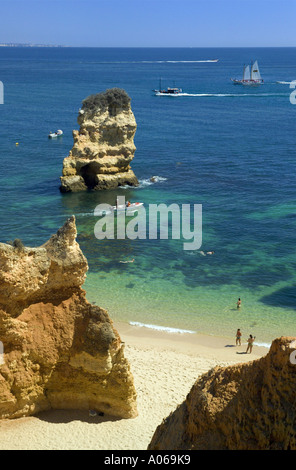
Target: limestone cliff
104,146
250,406
59,350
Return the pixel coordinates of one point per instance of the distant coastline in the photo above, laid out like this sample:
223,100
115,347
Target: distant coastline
143,47
15,44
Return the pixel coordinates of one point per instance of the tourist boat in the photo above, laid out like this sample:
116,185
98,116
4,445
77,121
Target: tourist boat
58,133
251,75
168,91
129,207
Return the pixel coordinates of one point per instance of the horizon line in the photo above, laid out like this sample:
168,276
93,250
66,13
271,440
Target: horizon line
32,45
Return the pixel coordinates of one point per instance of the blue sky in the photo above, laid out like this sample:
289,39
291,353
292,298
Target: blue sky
149,23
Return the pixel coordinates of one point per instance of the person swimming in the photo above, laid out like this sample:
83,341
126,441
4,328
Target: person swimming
207,253
129,261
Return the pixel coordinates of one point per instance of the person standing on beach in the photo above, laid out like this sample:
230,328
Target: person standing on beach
250,343
239,302
238,337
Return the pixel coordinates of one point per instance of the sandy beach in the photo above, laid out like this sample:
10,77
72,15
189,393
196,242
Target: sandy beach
164,365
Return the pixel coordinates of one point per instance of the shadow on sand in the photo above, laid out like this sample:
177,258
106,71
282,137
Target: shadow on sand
67,416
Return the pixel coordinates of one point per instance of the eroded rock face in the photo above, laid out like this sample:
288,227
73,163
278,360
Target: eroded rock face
59,350
250,406
104,146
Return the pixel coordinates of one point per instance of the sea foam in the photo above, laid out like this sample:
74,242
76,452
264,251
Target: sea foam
161,328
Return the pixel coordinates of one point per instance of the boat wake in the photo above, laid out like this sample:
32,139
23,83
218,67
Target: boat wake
226,95
179,61
156,61
284,83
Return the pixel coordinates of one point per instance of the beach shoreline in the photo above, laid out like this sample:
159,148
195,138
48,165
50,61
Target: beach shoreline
209,346
164,366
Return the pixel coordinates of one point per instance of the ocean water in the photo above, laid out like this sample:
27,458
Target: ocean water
229,148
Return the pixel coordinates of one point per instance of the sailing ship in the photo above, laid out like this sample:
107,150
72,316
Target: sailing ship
251,75
167,91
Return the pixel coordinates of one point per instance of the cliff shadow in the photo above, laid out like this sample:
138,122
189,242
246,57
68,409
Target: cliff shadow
67,416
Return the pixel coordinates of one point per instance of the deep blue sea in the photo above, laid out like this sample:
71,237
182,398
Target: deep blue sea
230,148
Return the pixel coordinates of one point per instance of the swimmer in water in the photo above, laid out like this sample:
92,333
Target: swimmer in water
131,261
210,252
239,302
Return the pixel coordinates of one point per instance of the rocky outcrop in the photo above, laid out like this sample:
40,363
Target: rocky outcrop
104,146
59,350
250,406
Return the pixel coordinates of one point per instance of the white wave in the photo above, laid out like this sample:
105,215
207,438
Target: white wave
146,182
284,83
262,345
160,328
150,181
157,179
143,183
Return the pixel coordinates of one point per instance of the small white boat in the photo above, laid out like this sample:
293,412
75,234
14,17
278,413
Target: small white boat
251,76
58,133
133,206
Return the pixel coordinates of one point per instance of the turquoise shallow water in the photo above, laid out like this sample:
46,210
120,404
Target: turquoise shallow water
228,148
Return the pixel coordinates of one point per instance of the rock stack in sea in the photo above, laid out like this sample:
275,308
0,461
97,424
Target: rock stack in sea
104,145
60,352
250,406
